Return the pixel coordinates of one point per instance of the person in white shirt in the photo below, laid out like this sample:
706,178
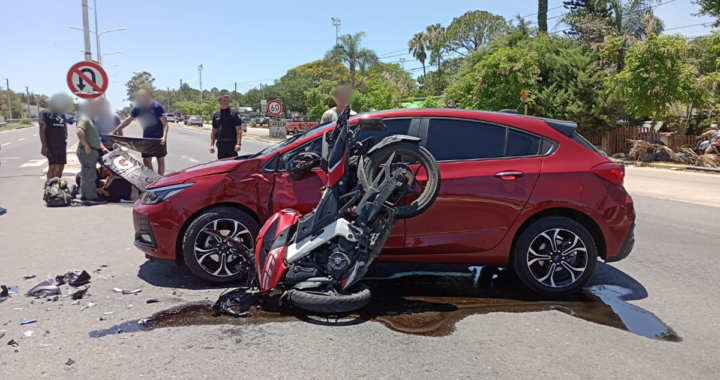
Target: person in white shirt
343,97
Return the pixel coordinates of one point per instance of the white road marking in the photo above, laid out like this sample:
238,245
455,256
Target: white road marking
22,139
9,158
35,135
33,163
192,159
5,144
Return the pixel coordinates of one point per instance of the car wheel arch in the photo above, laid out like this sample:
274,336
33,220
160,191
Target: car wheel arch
576,215
179,257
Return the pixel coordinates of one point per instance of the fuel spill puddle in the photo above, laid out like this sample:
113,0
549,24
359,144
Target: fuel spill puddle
427,305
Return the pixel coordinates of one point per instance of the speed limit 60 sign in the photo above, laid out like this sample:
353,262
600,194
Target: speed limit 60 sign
274,108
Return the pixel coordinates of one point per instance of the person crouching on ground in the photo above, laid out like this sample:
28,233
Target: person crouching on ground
151,116
89,151
53,134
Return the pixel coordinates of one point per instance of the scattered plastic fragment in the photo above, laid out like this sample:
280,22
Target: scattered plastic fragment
2,335
44,289
136,291
13,343
80,293
70,362
91,304
55,299
232,304
27,321
108,312
68,291
73,279
152,301
76,302
28,333
18,308
103,266
4,293
13,289
30,277
143,321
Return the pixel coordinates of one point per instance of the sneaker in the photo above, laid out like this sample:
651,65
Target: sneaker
96,201
2,211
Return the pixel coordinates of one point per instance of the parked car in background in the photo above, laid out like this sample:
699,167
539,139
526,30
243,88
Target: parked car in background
70,119
195,120
526,193
299,123
170,117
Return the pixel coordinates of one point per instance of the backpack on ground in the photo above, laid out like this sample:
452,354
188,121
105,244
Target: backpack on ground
57,193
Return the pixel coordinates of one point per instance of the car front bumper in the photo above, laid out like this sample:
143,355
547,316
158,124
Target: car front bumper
157,228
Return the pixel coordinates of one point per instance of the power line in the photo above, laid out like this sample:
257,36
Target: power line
559,6
392,52
688,26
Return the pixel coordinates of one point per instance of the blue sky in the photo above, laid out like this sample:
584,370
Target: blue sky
248,42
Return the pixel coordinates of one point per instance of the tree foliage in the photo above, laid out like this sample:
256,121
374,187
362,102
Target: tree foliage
350,52
472,30
709,8
142,80
417,47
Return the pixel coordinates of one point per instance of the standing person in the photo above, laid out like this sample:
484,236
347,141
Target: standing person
89,151
2,210
53,134
106,121
151,115
343,97
227,129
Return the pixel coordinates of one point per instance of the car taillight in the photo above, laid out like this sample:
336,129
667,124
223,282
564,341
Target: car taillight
611,172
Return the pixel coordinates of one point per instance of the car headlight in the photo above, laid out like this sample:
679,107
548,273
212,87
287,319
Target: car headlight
159,194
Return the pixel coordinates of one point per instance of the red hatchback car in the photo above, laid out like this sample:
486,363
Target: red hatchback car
526,193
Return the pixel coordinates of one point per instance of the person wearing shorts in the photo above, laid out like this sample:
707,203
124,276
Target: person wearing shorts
151,115
53,135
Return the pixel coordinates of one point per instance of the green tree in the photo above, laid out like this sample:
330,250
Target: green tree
436,43
18,108
139,80
472,30
497,80
348,51
709,8
320,99
655,75
292,87
367,59
417,46
542,15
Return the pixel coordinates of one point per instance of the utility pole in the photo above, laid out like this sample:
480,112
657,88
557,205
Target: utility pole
169,99
7,83
86,31
181,90
235,96
97,35
27,93
200,69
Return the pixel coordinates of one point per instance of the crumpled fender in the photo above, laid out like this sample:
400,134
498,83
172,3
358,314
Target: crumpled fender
392,140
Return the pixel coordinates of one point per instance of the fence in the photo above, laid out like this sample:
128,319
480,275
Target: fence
616,141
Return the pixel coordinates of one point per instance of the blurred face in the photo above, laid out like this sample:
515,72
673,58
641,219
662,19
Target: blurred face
224,102
92,108
143,99
60,103
343,95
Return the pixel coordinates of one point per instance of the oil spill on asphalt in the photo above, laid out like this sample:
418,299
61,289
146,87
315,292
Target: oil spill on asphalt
428,305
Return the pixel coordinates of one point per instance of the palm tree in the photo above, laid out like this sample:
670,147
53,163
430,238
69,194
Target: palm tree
417,46
366,58
347,51
435,37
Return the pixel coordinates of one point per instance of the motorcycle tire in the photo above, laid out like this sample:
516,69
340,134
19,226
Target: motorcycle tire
330,303
426,159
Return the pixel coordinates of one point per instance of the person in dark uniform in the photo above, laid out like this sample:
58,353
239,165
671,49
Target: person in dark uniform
227,130
53,135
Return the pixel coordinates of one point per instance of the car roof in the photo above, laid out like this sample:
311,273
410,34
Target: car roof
506,117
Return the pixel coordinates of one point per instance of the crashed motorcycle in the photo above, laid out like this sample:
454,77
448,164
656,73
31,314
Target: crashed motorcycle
317,260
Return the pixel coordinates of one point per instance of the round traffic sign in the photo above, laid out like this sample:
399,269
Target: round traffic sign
87,80
450,103
274,108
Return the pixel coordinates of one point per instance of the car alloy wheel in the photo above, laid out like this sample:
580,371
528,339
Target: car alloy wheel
557,258
217,247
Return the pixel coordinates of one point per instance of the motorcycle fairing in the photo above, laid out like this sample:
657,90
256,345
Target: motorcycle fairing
302,248
271,247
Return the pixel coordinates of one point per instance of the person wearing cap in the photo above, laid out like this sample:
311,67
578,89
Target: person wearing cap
343,97
227,130
53,134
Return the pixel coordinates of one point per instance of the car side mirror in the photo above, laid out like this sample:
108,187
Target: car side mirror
302,163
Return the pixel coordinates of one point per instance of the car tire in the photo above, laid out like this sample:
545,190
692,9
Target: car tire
557,269
200,248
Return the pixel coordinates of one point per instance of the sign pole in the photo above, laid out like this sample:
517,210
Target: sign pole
86,30
525,109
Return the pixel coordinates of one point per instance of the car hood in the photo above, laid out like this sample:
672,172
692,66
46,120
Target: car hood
202,170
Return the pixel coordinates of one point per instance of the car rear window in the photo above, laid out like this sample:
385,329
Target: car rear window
582,141
521,144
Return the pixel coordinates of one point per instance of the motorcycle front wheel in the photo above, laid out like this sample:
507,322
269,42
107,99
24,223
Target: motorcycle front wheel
419,159
331,302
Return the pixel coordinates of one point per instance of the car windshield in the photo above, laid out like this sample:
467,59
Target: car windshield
274,148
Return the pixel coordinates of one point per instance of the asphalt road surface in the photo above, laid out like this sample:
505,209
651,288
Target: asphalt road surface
665,293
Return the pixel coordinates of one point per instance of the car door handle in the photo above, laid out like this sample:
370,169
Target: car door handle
509,176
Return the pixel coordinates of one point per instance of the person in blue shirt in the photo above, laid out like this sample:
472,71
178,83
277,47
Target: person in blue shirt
106,121
151,115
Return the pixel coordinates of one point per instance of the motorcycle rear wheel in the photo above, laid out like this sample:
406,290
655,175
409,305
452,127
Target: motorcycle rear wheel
421,156
330,302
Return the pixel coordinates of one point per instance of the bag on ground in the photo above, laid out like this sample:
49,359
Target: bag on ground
57,193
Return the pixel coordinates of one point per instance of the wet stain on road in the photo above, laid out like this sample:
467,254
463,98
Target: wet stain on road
427,305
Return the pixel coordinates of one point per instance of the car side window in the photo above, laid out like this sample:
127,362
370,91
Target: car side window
450,139
521,144
312,146
394,127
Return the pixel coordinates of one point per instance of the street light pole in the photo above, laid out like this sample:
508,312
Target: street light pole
181,90
7,83
336,24
97,35
86,30
200,69
27,93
